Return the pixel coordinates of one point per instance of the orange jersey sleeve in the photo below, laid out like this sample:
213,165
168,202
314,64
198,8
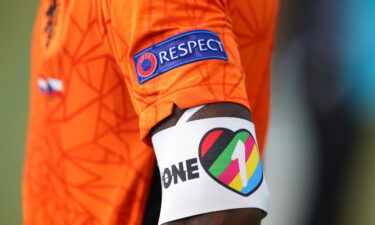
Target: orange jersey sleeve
136,26
105,71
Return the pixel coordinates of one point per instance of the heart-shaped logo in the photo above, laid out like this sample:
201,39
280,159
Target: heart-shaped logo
232,159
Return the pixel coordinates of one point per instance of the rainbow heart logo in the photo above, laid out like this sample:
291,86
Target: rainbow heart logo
232,159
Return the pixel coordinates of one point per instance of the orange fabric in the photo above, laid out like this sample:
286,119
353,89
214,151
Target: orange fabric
86,162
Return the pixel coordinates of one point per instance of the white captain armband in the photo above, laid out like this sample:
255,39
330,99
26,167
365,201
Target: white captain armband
209,165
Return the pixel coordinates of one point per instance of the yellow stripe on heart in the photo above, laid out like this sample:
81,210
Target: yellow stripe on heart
251,165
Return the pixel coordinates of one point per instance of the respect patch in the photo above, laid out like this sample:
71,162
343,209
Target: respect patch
177,51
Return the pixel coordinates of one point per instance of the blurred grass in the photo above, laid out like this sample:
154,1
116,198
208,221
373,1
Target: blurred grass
16,21
358,204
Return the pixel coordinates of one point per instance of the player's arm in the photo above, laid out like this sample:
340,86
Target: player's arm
185,53
248,216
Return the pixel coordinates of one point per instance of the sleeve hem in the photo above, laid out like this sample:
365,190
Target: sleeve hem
185,98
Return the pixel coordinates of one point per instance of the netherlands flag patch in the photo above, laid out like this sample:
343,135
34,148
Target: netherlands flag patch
50,86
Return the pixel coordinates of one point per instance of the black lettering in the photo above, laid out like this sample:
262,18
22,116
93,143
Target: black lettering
180,172
166,178
192,168
176,172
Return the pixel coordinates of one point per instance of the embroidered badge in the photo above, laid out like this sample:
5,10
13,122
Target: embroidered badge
51,21
50,86
177,51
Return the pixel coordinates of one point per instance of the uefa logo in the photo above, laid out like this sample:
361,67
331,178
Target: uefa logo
147,64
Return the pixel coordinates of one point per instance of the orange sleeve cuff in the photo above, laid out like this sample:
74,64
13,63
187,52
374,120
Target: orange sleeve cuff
185,98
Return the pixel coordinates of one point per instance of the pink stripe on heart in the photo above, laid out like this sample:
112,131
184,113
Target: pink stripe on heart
230,172
249,145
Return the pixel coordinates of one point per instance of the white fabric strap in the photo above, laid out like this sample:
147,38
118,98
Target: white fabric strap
209,165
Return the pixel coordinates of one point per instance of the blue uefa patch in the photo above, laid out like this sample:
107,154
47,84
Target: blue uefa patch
176,51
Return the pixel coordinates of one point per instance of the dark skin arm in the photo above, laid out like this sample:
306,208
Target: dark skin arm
227,217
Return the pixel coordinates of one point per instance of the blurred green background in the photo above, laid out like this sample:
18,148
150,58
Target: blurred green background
16,21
